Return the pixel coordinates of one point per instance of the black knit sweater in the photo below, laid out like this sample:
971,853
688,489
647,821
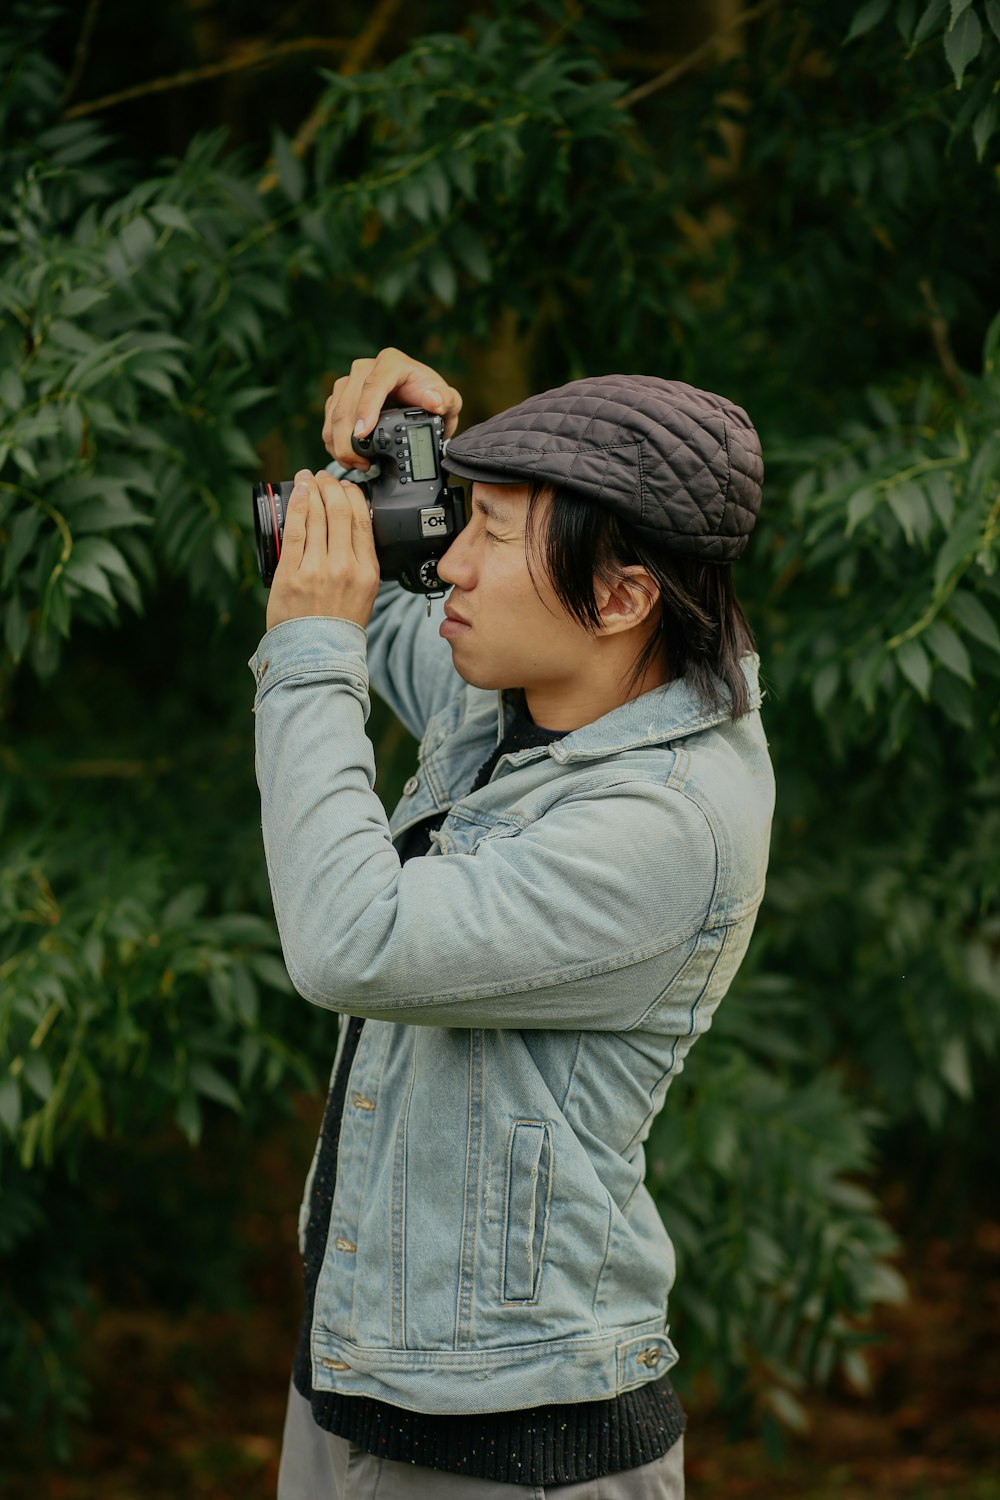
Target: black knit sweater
539,1445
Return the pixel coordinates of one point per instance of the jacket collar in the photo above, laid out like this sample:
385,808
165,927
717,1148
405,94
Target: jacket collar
665,713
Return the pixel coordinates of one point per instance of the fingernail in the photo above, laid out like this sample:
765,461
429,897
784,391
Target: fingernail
299,488
302,475
360,427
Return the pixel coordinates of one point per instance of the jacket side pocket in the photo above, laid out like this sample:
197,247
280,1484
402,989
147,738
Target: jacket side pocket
529,1192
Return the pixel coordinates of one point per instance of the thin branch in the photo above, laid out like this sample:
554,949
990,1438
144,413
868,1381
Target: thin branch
257,55
942,338
359,51
82,48
691,59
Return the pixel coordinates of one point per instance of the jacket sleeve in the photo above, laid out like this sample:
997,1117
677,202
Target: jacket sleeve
577,921
409,665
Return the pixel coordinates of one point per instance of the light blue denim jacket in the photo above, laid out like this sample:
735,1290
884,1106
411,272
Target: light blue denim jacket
531,989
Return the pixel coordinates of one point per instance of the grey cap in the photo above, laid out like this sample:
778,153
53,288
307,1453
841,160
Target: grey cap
682,465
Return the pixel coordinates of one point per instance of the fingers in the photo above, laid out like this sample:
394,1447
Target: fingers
342,415
293,538
357,399
351,538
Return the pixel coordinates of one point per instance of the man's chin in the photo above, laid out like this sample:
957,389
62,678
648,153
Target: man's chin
488,681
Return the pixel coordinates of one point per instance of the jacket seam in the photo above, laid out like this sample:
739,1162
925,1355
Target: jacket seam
421,999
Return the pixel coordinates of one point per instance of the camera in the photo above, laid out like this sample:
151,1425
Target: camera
415,514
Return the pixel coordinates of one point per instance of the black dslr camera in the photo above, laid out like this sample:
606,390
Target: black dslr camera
415,515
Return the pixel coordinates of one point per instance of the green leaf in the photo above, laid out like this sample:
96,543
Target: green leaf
882,406
909,505
172,217
959,549
290,171
271,971
463,174
957,9
25,461
972,614
983,127
17,629
138,239
225,549
10,1104
23,532
955,1067
954,699
182,908
155,380
915,666
80,300
92,560
864,19
211,1083
905,17
417,199
932,18
962,44
993,16
188,1116
38,1074
471,250
824,686
860,506
949,650
437,188
938,486
245,995
11,389
443,283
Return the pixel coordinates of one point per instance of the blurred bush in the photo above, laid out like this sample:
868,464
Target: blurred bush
801,212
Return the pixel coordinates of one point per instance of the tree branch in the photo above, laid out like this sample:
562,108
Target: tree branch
691,59
358,53
82,47
256,55
942,338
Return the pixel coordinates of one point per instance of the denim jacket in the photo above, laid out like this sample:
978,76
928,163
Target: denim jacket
531,988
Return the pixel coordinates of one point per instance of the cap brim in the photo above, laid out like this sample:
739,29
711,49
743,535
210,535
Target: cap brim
482,473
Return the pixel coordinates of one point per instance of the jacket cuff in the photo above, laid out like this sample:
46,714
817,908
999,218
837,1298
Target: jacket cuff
317,646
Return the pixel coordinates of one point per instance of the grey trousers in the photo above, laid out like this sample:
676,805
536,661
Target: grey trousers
316,1465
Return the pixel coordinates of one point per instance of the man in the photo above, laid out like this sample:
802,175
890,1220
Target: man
527,949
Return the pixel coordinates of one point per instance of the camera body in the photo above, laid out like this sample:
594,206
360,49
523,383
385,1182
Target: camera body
415,514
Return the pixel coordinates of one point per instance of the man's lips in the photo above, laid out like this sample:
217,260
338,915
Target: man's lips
453,624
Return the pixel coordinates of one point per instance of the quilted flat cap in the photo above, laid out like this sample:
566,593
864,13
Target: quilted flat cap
683,465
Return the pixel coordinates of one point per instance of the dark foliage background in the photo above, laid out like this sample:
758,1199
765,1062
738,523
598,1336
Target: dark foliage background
796,205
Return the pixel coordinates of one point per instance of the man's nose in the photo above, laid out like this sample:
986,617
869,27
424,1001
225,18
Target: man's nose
455,565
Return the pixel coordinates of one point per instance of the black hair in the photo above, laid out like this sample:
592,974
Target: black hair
701,629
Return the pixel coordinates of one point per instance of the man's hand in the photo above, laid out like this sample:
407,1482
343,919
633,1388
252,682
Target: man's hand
357,399
328,564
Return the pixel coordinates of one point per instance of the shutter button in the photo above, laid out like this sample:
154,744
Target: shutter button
410,786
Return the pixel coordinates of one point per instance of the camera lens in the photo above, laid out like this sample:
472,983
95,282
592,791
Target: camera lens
269,502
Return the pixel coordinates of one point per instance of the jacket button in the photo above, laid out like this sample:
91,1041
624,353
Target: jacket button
334,1364
343,1244
410,786
650,1356
360,1102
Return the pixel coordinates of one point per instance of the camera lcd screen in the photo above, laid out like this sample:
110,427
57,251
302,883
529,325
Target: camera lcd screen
422,452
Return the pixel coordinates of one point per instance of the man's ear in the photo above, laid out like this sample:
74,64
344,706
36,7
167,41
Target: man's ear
628,601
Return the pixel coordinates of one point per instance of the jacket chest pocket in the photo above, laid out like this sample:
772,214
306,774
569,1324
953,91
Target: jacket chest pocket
526,1221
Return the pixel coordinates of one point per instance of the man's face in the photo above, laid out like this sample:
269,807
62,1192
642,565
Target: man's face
516,636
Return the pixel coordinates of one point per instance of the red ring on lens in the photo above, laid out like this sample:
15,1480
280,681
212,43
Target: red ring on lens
277,534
